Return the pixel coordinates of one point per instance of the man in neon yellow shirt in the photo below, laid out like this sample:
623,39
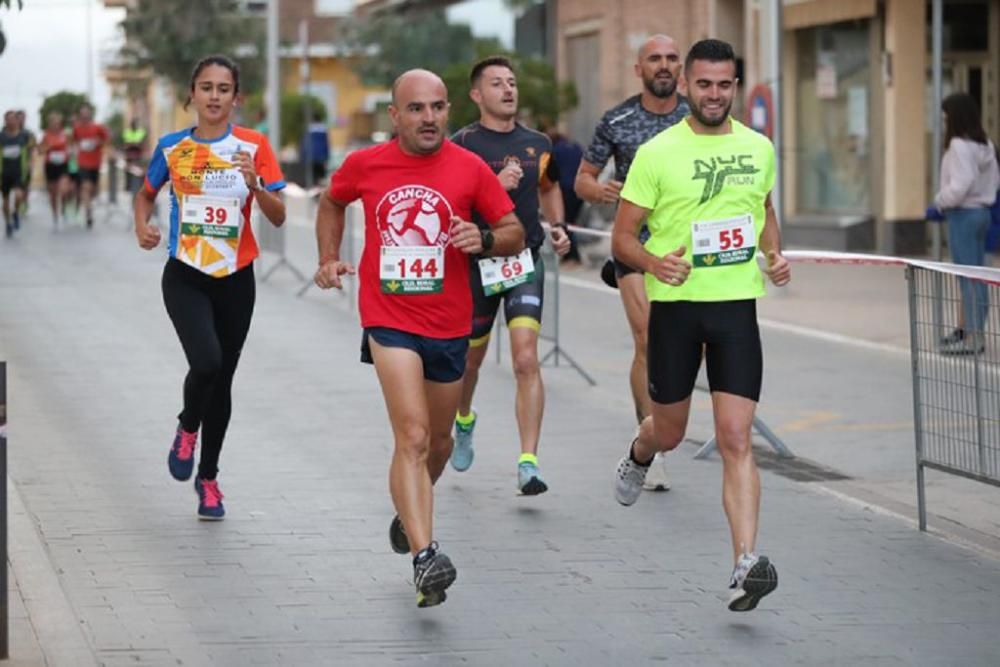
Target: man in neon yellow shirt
705,185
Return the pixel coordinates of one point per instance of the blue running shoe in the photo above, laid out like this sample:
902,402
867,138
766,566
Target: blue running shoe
462,454
180,460
529,478
209,499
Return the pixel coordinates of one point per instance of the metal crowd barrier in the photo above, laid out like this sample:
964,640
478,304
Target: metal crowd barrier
956,383
550,316
272,240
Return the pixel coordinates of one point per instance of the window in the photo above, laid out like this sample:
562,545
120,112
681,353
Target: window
834,165
334,7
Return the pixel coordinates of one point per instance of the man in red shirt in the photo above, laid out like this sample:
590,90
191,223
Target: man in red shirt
418,191
90,138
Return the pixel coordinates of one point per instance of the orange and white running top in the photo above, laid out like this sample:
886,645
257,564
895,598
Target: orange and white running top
209,198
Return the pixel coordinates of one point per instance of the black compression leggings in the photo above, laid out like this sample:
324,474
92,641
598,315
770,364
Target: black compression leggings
212,318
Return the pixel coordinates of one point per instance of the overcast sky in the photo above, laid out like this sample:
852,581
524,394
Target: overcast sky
47,47
47,52
488,18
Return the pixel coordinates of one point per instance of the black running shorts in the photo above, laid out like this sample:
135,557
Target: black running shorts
728,333
54,172
443,358
522,305
90,176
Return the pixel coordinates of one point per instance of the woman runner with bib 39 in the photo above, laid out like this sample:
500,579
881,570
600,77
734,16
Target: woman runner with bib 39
215,170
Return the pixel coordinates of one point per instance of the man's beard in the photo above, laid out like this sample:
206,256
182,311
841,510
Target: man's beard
661,89
710,122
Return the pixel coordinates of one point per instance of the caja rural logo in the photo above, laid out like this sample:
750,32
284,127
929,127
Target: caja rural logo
413,215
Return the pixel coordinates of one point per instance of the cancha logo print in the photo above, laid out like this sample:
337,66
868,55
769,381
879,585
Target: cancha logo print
413,215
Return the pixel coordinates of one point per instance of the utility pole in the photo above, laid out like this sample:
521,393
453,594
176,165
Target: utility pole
304,75
777,28
273,77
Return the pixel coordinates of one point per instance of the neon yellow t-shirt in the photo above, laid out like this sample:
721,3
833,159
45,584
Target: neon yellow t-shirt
707,193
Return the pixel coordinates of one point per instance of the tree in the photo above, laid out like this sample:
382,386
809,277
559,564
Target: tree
3,38
540,96
64,102
293,114
171,42
398,42
404,40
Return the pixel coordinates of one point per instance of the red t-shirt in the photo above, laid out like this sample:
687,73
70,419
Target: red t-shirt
409,201
56,147
90,139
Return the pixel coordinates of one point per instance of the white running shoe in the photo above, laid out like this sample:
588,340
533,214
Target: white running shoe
656,478
629,478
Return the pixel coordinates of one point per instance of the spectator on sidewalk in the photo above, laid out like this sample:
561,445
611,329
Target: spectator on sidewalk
316,147
567,155
969,181
134,147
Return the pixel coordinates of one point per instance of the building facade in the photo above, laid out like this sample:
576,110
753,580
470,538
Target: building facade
856,80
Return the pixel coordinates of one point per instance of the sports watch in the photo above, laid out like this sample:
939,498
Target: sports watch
487,237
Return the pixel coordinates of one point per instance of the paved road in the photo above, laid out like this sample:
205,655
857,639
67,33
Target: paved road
300,573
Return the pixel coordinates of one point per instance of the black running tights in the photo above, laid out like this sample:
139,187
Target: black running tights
212,318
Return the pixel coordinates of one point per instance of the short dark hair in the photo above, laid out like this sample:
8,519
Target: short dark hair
221,61
491,61
712,50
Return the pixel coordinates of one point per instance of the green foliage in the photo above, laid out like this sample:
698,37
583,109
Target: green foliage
540,96
65,102
293,119
116,125
171,41
402,40
293,116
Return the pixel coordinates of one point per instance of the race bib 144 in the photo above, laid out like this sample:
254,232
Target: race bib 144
411,269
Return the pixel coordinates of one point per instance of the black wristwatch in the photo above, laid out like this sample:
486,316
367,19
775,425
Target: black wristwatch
487,237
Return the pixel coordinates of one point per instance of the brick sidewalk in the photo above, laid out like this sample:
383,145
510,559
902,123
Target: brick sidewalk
301,573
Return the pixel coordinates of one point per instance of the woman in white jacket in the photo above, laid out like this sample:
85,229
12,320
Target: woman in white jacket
969,181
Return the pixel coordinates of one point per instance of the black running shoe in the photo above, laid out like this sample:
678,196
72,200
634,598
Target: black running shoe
397,536
753,578
432,574
608,274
